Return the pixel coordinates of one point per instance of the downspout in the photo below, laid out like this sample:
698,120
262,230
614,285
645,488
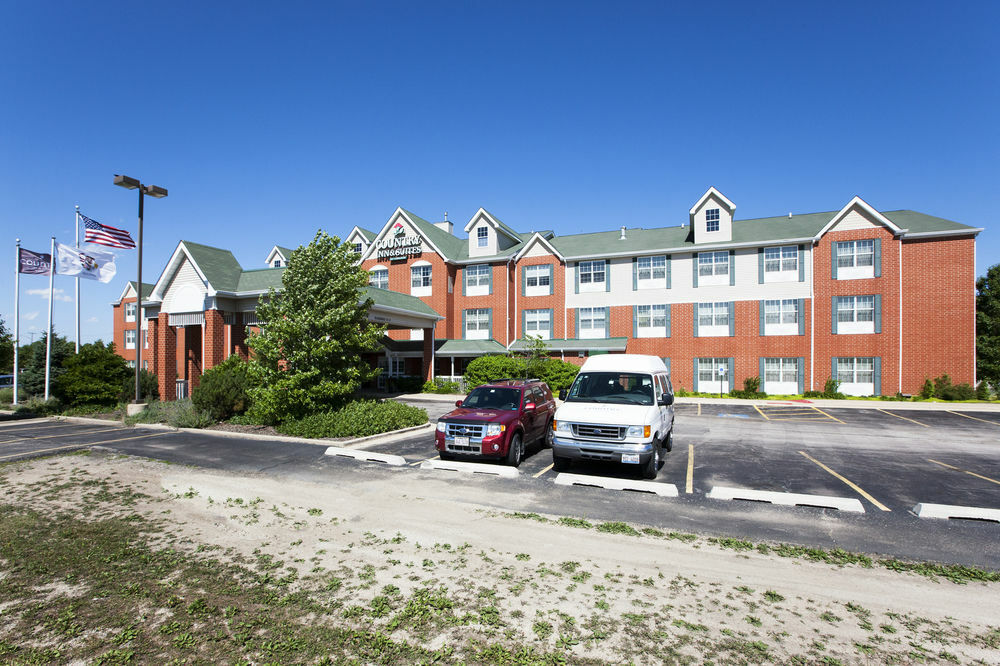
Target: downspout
506,303
900,382
812,316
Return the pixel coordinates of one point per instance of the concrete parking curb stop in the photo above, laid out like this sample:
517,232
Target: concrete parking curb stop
366,456
661,489
849,504
471,468
949,511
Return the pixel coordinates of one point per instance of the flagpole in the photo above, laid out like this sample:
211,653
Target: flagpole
78,283
48,336
17,311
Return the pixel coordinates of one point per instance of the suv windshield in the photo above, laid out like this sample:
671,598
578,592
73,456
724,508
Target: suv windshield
618,387
492,397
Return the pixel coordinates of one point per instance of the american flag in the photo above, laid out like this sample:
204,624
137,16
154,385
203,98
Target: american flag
102,234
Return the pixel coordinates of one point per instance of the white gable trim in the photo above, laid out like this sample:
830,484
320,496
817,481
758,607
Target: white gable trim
356,232
537,238
399,212
181,253
717,194
276,251
127,292
863,205
492,221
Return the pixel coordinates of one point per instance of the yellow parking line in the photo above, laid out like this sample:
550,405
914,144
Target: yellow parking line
689,487
414,464
849,483
903,417
766,417
830,416
973,418
80,446
535,476
958,469
699,409
75,432
801,418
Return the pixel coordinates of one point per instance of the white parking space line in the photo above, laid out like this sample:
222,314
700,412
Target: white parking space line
849,504
471,468
366,456
661,489
924,510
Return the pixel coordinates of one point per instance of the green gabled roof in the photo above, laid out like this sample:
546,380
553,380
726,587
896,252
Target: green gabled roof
779,228
507,230
451,246
368,234
576,344
260,279
394,299
285,251
916,223
147,288
471,348
219,266
609,242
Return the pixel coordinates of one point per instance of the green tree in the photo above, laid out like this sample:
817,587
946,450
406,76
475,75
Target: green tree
32,362
307,356
223,390
535,353
95,376
6,349
988,327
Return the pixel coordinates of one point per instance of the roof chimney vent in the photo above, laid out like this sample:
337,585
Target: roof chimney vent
789,215
446,225
622,237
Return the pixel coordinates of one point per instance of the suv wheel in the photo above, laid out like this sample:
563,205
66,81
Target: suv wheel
652,465
515,453
549,435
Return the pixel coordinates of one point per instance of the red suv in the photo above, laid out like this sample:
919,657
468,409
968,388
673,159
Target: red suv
496,420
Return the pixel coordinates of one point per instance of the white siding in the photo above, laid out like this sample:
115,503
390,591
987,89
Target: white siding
725,232
854,219
186,291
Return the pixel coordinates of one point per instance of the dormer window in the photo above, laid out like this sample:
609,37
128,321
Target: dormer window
712,219
482,237
276,263
357,248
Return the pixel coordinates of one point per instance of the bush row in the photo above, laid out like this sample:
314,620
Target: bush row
358,418
557,374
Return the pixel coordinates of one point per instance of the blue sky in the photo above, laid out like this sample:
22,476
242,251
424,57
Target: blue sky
267,121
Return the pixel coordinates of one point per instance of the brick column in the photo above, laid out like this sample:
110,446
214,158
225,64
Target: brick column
239,336
428,365
154,340
215,339
166,358
192,356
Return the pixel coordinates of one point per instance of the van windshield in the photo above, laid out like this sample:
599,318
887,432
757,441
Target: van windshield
617,387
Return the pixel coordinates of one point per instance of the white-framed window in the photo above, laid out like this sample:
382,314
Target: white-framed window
477,324
650,321
397,366
713,268
145,338
276,263
357,248
378,276
651,272
145,365
592,275
712,219
130,310
130,338
477,279
856,375
713,319
855,259
781,316
593,323
781,376
538,280
131,364
420,279
538,323
713,375
781,264
482,237
855,314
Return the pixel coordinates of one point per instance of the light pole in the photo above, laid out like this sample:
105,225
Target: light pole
158,193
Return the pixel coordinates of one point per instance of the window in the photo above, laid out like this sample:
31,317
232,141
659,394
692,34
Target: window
145,365
856,375
855,253
397,366
276,263
420,280
538,323
357,248
651,272
131,364
379,277
591,274
709,377
477,280
538,280
145,338
855,314
593,322
482,237
477,324
650,321
130,309
781,264
713,319
712,219
713,268
781,317
130,338
781,375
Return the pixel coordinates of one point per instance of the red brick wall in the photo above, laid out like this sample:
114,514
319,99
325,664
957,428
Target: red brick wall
555,302
495,301
215,339
167,357
439,300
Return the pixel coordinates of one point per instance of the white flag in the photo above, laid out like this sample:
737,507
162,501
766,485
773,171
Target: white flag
86,262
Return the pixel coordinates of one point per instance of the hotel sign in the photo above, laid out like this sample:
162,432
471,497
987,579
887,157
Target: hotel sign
399,246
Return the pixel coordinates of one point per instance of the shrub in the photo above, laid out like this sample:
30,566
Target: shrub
405,384
942,385
358,418
40,407
223,390
681,392
982,391
812,394
831,389
7,395
94,376
149,386
927,390
556,373
179,414
438,385
751,384
945,390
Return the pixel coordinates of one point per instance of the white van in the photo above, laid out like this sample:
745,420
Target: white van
619,409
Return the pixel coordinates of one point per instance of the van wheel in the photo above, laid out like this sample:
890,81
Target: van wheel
654,463
668,443
560,464
515,454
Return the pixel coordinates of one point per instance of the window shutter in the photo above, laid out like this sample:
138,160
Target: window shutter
732,267
801,362
763,385
760,316
607,275
667,308
489,322
552,324
694,270
668,271
732,318
524,280
802,263
877,259
732,373
607,322
878,313
833,311
833,368
576,322
666,362
800,313
490,291
694,383
552,279
463,324
878,375
576,271
760,265
465,278
524,325
694,307
833,260
635,273
635,319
